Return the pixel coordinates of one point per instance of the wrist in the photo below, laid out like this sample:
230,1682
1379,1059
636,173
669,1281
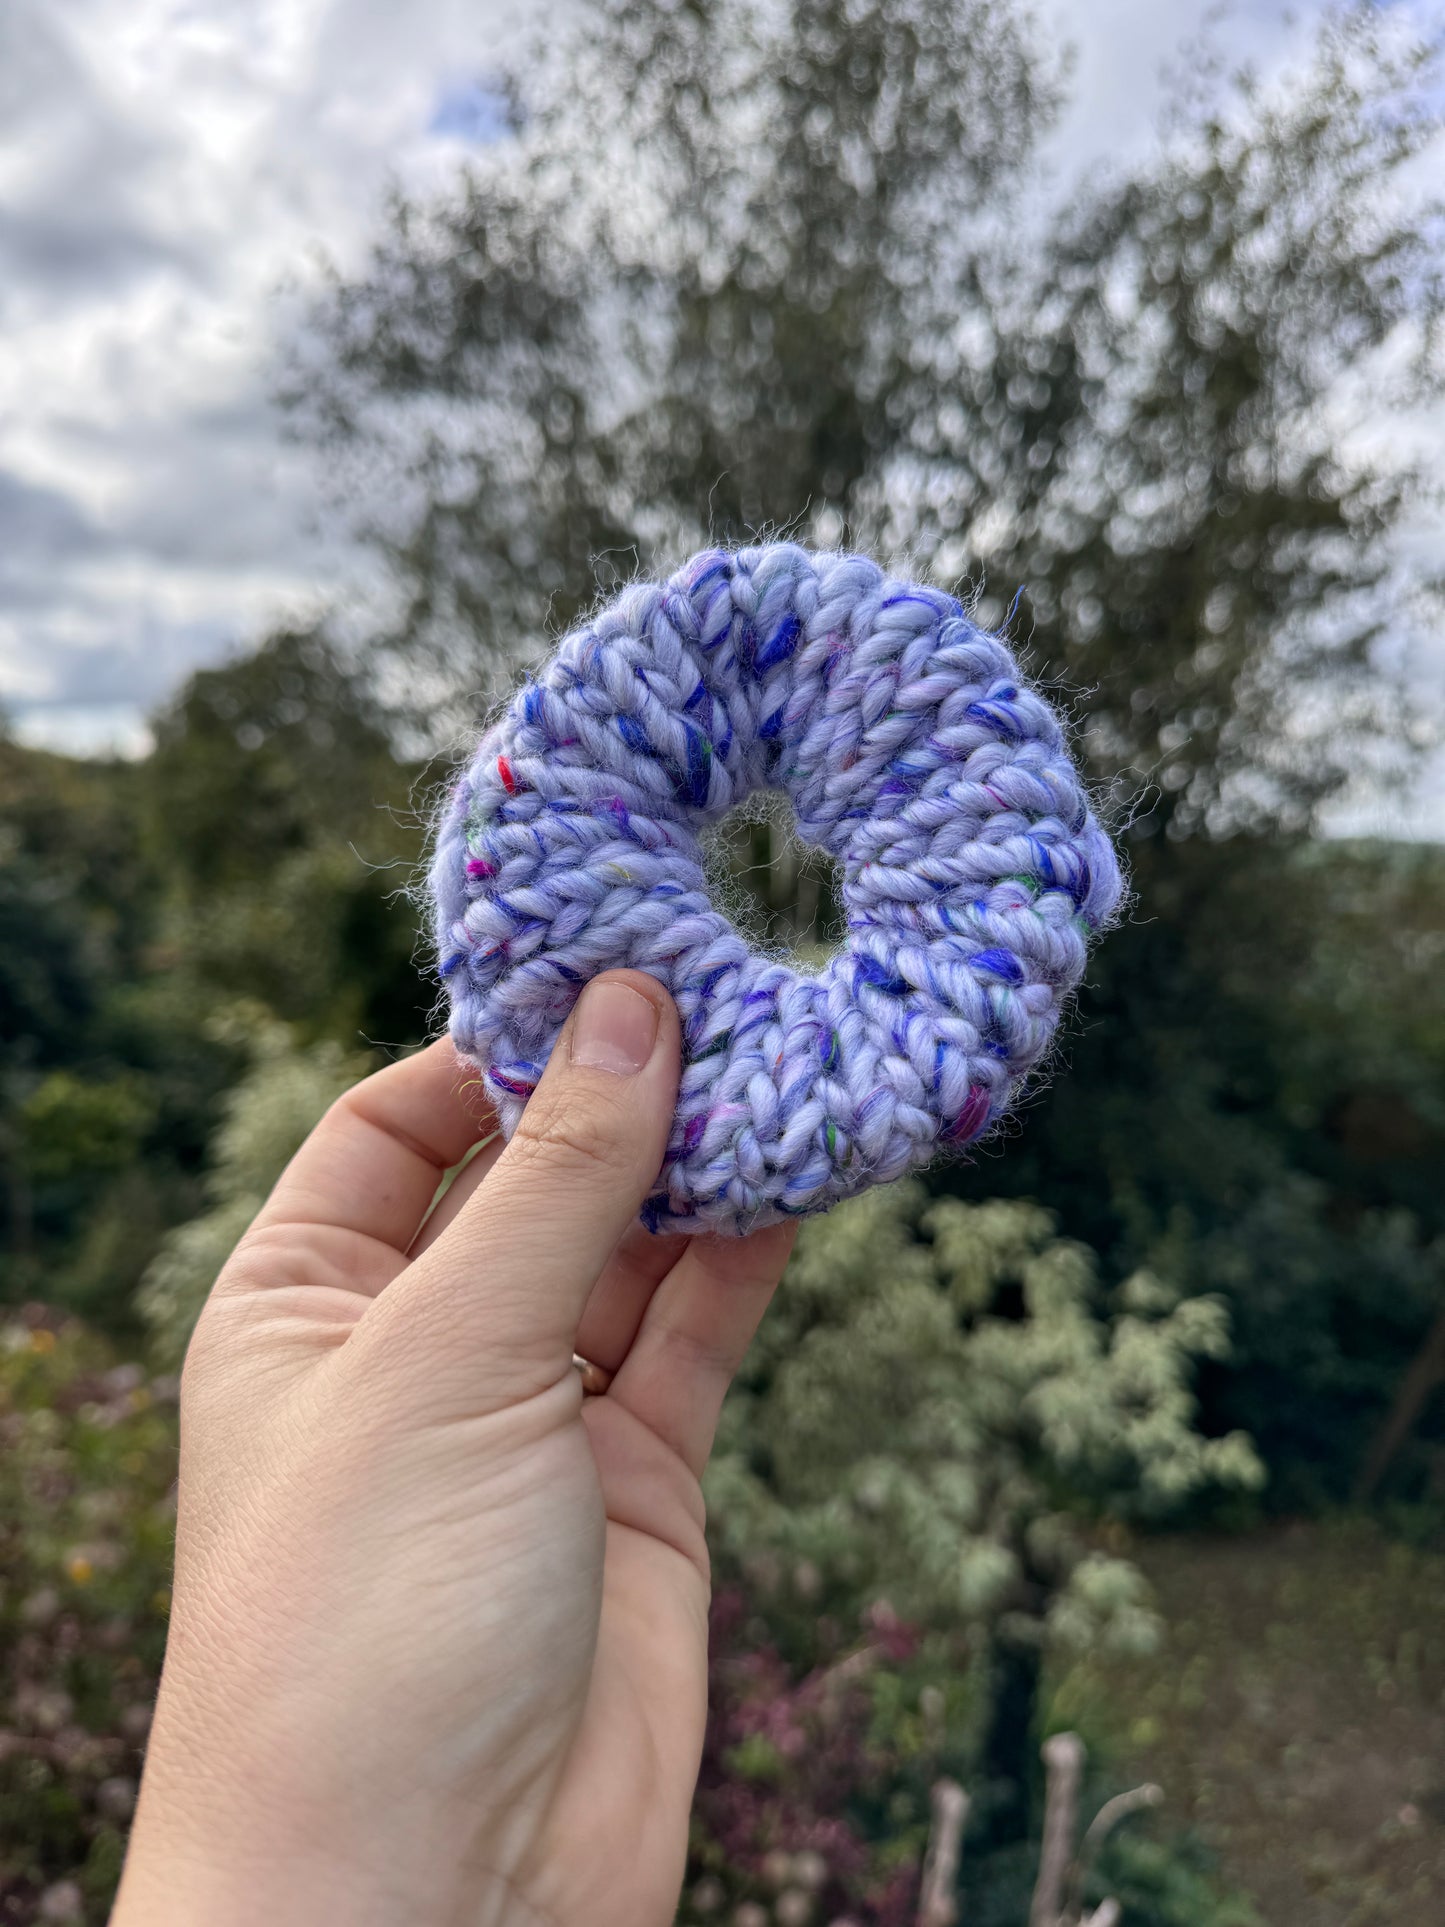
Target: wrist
203,1854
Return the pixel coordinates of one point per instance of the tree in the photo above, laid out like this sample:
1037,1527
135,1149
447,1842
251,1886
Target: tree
1251,1105
255,759
262,849
97,1102
1158,442
810,304
831,294
285,827
548,373
264,1120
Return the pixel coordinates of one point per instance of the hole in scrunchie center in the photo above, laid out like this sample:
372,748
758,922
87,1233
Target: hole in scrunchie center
784,896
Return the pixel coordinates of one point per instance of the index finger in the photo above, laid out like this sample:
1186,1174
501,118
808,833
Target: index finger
373,1163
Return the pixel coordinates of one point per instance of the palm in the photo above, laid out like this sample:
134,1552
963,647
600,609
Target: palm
609,1835
617,1828
611,1844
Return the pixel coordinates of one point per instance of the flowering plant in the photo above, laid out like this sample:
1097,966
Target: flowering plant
87,1474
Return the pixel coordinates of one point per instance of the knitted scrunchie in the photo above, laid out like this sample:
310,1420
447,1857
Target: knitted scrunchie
974,871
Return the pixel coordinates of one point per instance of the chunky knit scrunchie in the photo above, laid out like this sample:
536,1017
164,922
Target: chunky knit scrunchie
974,872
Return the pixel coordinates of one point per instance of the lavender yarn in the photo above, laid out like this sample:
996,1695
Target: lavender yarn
975,873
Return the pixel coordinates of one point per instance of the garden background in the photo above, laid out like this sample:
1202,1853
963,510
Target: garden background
1134,1423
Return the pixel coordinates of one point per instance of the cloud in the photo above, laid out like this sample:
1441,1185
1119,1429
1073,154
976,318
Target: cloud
38,522
165,166
75,168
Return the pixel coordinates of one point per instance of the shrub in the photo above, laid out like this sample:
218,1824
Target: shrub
87,1472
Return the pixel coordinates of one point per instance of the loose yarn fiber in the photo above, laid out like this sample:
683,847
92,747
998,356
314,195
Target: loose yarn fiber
974,872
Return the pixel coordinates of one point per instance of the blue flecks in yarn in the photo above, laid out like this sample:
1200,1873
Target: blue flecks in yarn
974,873
999,963
866,970
780,645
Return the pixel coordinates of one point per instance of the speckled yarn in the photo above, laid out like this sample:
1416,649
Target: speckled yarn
974,873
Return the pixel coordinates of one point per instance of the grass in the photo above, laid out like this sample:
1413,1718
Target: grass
1294,1715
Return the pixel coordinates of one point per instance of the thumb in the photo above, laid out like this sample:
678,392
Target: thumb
488,1314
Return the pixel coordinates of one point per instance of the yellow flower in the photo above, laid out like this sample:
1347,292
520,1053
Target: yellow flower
42,1341
80,1569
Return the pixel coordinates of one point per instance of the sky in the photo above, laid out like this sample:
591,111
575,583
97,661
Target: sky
170,173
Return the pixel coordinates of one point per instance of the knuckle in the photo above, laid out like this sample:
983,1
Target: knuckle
695,1355
576,1140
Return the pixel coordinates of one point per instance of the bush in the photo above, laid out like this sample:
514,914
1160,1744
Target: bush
87,1473
941,1408
264,1121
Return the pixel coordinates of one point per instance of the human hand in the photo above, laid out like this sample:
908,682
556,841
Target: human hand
438,1647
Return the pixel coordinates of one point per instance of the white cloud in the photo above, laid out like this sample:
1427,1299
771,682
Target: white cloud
166,166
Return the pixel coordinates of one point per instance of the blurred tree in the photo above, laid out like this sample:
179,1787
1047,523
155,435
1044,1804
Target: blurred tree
264,1120
833,295
822,298
264,849
98,1099
73,898
286,830
1254,1104
1158,444
549,374
255,759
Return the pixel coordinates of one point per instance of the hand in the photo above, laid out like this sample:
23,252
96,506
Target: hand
438,1647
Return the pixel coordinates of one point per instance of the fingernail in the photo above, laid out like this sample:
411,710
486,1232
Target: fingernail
616,1029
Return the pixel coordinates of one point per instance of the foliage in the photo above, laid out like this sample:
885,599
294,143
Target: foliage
282,824
257,758
814,1790
105,1085
816,1776
545,372
1170,478
1170,1882
813,1803
940,1402
87,1465
264,1120
943,1395
256,853
69,1126
1251,1105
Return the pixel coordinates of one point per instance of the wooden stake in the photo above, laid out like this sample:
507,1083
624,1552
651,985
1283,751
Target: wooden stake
938,1900
1063,1770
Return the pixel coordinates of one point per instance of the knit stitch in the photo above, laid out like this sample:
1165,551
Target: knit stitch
974,872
